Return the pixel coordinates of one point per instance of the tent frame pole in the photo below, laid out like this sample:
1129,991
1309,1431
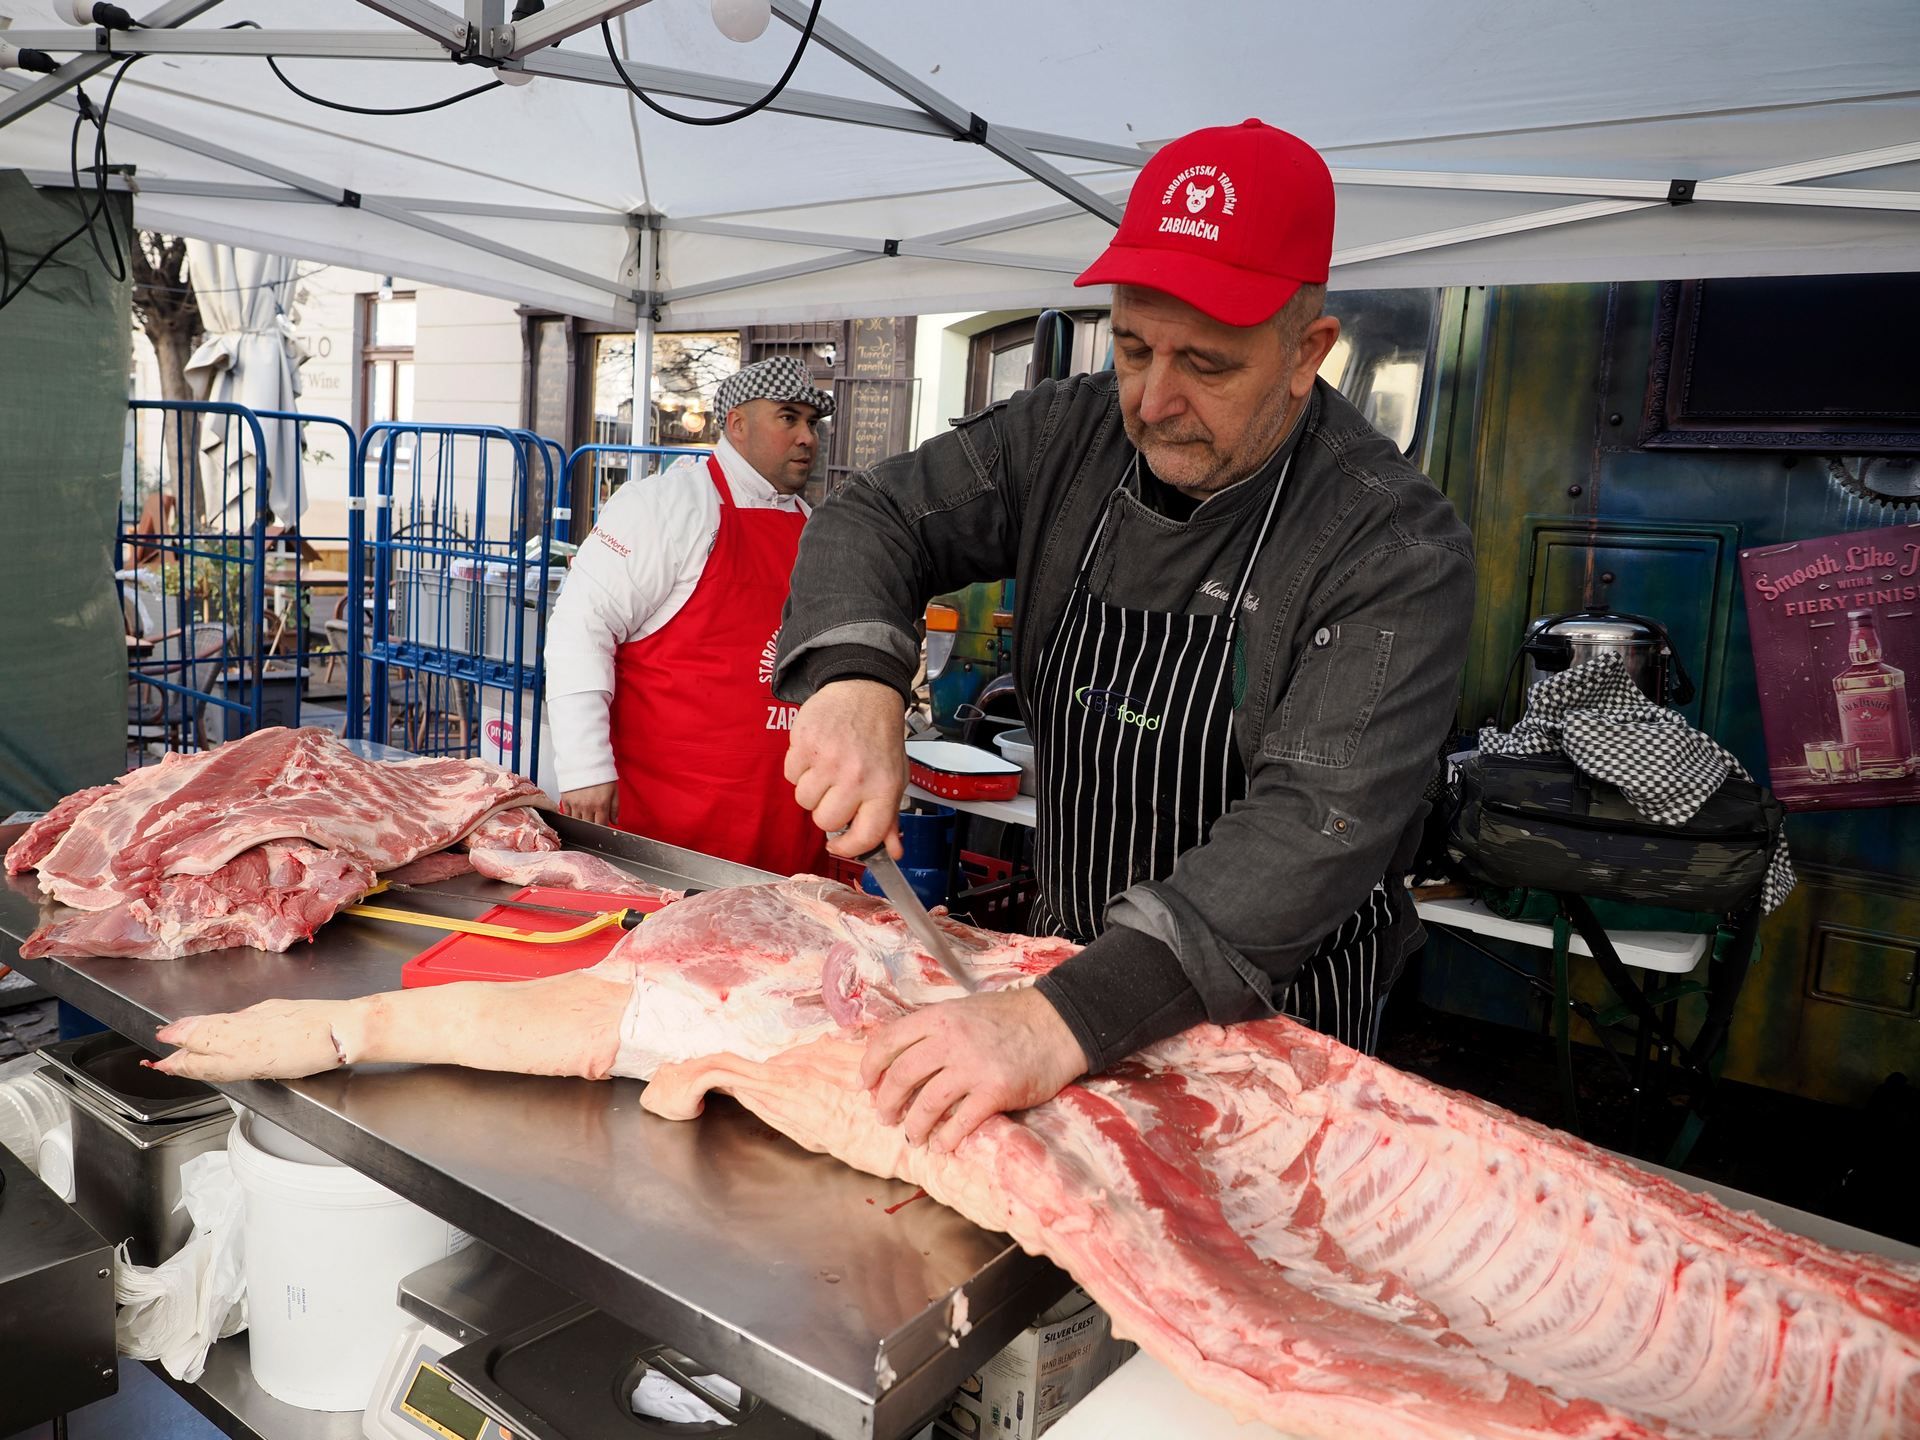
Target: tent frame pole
451,30
333,194
49,87
1779,175
303,44
962,123
568,17
642,427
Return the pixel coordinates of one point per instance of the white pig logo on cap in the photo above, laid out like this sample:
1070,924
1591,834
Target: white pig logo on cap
1197,198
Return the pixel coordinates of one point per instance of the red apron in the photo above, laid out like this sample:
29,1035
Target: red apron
699,742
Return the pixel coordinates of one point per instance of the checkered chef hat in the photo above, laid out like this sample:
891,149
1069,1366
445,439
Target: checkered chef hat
781,378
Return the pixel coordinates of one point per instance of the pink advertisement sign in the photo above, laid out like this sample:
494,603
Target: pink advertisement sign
1836,636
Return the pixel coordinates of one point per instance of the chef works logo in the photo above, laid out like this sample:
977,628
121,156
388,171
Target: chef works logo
1113,704
1196,188
612,544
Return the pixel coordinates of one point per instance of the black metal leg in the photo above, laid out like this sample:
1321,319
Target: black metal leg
1643,1043
1563,1020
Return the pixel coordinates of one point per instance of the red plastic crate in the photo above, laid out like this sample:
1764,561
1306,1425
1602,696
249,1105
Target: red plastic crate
847,872
985,869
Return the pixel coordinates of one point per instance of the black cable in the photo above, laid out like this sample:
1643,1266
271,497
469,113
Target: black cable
806,34
370,110
103,209
100,208
281,76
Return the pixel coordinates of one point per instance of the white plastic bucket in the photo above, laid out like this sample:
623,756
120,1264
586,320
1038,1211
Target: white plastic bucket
326,1249
31,1108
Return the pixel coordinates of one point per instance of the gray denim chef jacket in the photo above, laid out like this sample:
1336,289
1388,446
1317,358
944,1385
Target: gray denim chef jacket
1354,628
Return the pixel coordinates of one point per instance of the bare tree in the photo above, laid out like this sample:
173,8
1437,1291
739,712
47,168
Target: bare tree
168,311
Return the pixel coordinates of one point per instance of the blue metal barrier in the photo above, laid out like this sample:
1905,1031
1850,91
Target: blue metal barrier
208,657
446,651
607,467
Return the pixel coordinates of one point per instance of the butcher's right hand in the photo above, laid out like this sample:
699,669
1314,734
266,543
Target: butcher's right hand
596,803
848,763
274,1040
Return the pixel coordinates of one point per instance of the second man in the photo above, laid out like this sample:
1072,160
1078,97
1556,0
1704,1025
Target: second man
660,648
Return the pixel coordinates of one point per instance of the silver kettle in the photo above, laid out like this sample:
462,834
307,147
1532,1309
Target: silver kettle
1559,642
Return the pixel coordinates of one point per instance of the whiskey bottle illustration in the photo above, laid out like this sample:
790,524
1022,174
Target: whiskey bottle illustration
1872,696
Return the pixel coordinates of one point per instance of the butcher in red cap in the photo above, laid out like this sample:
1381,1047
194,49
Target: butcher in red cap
1242,617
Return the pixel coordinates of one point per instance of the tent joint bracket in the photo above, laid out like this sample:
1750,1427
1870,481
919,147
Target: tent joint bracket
349,200
889,247
1680,192
976,131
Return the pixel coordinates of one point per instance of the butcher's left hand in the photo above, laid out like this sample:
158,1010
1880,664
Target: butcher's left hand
949,1067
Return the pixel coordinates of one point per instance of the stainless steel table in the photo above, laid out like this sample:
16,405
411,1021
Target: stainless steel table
782,1270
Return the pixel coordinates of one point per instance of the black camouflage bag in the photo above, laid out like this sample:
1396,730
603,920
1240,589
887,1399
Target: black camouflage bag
1541,822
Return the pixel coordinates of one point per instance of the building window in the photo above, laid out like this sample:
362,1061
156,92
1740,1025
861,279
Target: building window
386,358
1384,357
1009,358
688,367
997,363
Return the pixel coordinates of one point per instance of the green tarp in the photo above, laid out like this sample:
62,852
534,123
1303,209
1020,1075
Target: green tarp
65,345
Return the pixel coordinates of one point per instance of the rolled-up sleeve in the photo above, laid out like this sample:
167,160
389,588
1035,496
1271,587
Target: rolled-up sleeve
1350,740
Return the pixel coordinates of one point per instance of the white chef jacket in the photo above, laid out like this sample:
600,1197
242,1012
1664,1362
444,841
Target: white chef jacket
636,570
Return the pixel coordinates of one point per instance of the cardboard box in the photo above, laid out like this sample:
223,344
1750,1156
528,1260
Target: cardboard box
1042,1373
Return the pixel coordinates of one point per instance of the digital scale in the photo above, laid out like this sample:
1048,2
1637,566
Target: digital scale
414,1397
531,1363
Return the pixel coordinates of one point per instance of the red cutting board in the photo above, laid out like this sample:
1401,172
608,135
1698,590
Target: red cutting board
482,957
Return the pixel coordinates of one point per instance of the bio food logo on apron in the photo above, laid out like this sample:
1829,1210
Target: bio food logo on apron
1114,705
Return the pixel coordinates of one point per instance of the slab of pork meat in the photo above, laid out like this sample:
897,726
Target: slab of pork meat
43,834
1304,1234
269,897
564,870
176,857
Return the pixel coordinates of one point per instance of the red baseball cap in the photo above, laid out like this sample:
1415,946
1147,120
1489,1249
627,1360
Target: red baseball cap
1231,219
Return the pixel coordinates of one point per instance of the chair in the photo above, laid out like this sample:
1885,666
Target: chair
336,626
190,659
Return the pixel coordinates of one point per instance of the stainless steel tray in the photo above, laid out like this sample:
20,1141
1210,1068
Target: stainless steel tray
107,1067
568,1376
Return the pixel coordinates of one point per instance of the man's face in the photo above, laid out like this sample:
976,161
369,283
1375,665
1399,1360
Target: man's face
777,438
1207,403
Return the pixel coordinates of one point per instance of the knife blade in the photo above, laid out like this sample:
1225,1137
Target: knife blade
901,896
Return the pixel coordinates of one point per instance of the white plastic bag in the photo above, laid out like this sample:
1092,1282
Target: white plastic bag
174,1311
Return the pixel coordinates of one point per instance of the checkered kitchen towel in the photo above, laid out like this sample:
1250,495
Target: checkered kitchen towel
1600,720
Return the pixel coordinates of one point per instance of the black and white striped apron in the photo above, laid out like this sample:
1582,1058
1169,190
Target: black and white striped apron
1135,759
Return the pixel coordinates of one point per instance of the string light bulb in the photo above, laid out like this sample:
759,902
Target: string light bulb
742,20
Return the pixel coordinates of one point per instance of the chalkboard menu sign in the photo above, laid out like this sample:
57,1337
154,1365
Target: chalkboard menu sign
877,415
876,348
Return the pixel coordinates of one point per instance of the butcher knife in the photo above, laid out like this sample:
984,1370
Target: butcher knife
894,886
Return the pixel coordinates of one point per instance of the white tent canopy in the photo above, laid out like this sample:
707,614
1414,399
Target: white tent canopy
1474,141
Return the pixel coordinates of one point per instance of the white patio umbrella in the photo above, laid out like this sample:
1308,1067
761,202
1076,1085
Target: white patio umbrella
249,358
